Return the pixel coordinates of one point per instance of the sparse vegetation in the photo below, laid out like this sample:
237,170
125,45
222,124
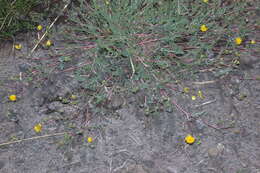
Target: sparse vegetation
137,42
18,16
155,77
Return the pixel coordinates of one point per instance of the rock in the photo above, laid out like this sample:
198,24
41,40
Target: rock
133,169
61,108
149,163
116,102
140,169
220,147
68,156
64,91
171,169
24,67
47,93
57,86
200,125
13,115
213,152
216,150
55,106
248,61
236,131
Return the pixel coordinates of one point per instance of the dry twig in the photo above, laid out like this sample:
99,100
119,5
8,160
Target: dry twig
51,25
204,82
32,138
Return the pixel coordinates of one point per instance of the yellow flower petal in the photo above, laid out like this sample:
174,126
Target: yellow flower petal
90,139
186,90
205,1
236,62
12,98
189,139
48,43
38,128
18,46
253,42
203,28
39,27
73,97
107,2
200,94
193,97
238,40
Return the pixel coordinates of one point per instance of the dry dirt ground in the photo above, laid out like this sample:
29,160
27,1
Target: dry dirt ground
226,125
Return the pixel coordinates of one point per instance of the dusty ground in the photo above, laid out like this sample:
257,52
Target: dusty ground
227,129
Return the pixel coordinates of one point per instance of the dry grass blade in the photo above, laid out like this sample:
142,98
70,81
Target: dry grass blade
51,25
32,138
204,82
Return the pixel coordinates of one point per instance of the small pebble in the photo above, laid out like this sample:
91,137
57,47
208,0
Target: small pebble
236,130
213,152
220,147
216,150
24,67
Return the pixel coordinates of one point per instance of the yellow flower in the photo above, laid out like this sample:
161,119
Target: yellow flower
238,40
12,98
205,1
38,128
90,139
252,41
39,27
189,139
48,43
236,62
186,90
237,54
107,2
193,97
200,94
73,97
203,28
18,46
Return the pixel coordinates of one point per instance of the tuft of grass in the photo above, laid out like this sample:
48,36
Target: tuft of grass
162,34
22,15
13,16
133,43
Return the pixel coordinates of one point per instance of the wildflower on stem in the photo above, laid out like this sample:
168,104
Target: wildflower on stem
12,98
203,28
186,90
200,94
252,41
38,128
107,2
238,40
90,139
48,43
193,97
236,62
18,46
189,139
39,27
73,97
